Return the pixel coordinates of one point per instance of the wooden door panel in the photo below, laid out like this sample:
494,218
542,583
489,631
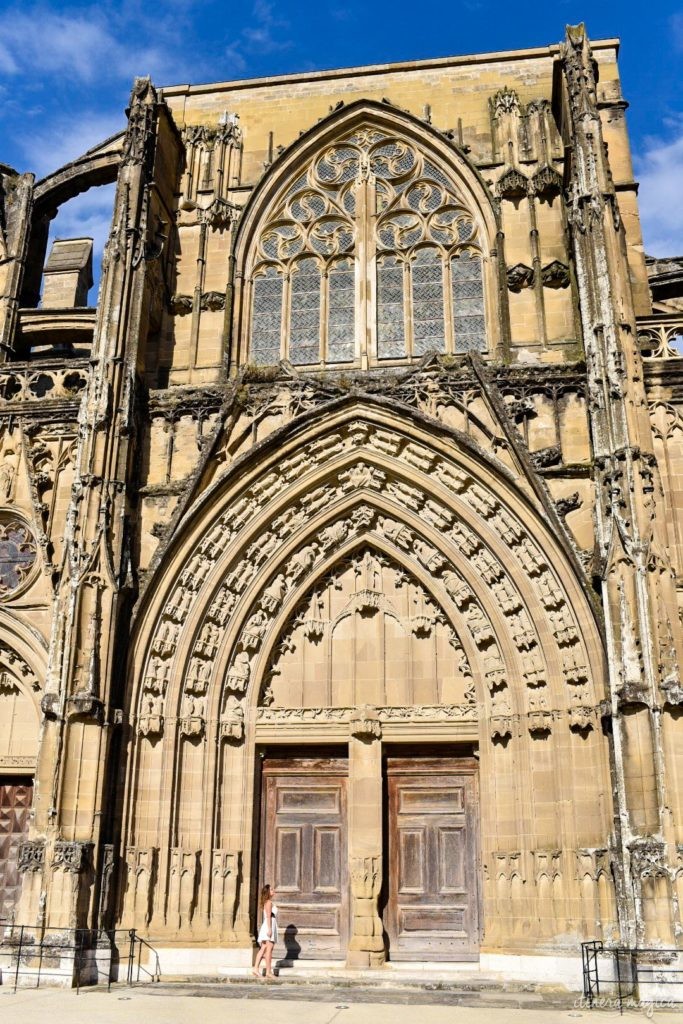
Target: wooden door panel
316,800
327,844
421,922
287,873
433,897
451,860
412,860
419,799
312,921
304,856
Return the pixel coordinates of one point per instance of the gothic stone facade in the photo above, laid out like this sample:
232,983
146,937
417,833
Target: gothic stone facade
340,541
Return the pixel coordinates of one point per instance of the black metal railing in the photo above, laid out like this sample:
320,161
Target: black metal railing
136,968
622,974
76,956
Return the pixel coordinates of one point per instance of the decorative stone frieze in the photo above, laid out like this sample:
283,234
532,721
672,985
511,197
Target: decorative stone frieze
72,856
31,855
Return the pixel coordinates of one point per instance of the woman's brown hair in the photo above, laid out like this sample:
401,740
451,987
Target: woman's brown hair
264,897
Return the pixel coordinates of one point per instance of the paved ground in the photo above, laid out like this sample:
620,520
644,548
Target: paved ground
277,1003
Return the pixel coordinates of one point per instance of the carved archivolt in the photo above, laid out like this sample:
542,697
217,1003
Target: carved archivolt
469,546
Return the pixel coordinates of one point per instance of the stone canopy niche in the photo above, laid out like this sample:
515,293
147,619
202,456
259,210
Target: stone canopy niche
368,633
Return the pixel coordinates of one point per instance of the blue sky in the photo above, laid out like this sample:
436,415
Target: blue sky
66,69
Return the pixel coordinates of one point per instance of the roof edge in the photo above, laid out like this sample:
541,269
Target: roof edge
378,69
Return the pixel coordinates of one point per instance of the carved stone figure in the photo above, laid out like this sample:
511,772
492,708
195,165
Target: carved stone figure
157,675
198,676
274,593
238,676
151,718
457,588
302,560
254,629
8,471
478,625
232,720
396,532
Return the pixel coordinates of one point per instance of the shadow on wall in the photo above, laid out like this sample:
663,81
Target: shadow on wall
292,946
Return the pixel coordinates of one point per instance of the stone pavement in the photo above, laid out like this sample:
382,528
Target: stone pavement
278,1003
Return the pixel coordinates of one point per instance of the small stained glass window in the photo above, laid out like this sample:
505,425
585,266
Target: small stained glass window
341,312
469,321
391,332
18,553
266,320
429,332
304,318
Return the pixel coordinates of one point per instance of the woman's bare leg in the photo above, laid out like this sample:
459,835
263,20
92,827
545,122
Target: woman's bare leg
269,959
259,958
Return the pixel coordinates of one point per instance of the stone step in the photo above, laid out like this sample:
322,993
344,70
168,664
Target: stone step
367,987
428,984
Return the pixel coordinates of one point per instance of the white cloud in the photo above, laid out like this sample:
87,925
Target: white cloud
266,34
66,138
84,46
659,169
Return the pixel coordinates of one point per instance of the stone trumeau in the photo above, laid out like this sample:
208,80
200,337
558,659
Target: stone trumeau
341,535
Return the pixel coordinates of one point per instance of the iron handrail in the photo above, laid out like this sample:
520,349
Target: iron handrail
630,969
30,948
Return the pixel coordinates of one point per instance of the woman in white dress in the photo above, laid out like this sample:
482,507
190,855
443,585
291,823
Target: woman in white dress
267,935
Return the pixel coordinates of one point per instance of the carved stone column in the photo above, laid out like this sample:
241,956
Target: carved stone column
366,944
644,643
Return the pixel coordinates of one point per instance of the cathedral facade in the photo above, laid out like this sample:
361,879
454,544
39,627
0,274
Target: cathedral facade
340,539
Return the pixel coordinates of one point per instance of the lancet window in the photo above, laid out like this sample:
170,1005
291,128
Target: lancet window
371,254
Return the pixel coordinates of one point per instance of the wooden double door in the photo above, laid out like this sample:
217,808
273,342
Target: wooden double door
430,894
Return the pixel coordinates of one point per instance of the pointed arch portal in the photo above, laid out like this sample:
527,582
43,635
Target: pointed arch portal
368,579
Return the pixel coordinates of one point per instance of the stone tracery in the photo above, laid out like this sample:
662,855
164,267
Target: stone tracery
425,250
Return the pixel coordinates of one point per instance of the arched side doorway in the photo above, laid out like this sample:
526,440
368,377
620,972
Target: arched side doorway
20,684
214,689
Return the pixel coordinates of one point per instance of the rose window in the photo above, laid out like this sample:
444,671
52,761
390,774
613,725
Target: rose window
18,555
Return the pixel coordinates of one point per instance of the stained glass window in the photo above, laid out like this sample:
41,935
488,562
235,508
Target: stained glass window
391,340
428,302
420,259
266,320
468,304
304,314
341,312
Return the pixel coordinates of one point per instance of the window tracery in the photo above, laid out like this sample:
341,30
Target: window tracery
18,554
372,252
